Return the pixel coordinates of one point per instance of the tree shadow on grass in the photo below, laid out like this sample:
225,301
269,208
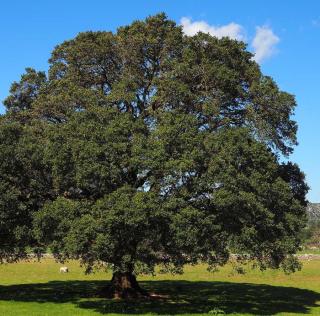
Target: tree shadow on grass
184,297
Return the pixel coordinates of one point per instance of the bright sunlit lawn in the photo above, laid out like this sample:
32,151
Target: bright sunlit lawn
32,288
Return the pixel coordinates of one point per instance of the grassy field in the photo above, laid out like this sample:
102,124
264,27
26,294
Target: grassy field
38,289
310,251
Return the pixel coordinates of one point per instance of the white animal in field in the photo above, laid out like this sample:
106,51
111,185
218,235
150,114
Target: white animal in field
64,270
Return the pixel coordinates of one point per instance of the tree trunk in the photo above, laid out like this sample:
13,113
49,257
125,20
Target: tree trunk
124,285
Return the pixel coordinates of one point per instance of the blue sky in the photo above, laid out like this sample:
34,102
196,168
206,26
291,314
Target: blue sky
284,34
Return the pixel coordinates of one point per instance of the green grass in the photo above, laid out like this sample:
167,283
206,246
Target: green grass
38,289
310,251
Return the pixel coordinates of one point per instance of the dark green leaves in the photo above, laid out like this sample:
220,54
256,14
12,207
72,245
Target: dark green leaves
23,93
149,147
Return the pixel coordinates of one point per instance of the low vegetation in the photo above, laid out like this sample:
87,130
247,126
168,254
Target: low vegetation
311,233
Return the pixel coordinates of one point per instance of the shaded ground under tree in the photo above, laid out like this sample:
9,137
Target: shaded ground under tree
181,297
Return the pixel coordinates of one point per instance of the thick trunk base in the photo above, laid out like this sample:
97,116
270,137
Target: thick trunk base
124,285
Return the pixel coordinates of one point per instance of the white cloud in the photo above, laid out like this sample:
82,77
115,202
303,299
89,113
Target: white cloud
232,30
264,43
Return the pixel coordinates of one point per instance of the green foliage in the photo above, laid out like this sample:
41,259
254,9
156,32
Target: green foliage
147,147
25,92
311,235
24,183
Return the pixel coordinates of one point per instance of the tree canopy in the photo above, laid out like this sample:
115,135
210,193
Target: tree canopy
146,148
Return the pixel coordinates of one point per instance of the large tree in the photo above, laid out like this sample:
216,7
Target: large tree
155,149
